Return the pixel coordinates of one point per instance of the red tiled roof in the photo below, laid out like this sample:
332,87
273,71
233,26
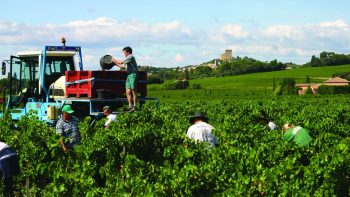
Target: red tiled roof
305,84
336,80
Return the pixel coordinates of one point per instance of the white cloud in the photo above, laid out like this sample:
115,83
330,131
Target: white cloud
283,32
163,28
322,36
295,43
234,30
107,30
102,30
215,37
88,59
159,44
336,24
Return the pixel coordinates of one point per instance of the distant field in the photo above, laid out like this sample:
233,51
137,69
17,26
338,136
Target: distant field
254,85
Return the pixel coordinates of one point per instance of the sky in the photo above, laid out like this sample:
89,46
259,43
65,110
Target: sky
178,33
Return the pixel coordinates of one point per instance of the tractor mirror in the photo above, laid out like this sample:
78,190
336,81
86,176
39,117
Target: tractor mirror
3,68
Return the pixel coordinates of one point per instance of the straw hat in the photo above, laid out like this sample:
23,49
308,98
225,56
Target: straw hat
198,115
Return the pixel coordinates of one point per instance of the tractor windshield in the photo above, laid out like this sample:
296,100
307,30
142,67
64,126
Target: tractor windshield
24,78
58,65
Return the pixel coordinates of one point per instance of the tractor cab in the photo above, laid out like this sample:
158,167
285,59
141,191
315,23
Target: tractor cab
38,77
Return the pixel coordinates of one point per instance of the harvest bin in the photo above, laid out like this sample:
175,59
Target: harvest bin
86,83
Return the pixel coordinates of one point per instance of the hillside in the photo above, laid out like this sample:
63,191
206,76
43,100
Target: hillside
247,85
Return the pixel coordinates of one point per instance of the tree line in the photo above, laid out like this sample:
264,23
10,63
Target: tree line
329,59
224,68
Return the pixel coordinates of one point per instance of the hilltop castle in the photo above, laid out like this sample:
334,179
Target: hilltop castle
227,56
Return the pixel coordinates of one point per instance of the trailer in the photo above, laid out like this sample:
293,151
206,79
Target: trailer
44,81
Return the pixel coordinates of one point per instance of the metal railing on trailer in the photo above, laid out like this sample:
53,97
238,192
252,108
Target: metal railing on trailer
91,102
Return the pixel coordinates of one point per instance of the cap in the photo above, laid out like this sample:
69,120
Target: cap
68,109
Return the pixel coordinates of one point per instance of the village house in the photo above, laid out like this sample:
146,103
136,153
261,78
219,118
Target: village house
214,65
304,86
335,81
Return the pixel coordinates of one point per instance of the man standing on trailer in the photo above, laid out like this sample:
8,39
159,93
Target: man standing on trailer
129,63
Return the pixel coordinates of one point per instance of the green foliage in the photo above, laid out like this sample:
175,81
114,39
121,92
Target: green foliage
147,153
315,61
162,74
286,87
248,65
273,84
4,83
308,91
176,85
153,79
203,71
186,75
249,86
226,68
329,59
344,75
196,86
323,89
307,79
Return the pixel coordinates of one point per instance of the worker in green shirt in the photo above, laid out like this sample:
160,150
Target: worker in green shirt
298,134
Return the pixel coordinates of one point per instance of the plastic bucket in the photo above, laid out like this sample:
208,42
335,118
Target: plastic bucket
106,62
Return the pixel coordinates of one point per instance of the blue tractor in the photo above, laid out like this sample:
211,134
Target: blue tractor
37,82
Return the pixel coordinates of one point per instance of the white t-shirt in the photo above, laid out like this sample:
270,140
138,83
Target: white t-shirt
272,126
202,132
110,118
3,146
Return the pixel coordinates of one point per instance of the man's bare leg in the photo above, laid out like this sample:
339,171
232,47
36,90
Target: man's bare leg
129,97
134,96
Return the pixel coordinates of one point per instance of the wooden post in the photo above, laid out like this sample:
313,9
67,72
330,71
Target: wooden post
27,186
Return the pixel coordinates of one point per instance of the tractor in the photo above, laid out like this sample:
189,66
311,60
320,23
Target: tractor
44,81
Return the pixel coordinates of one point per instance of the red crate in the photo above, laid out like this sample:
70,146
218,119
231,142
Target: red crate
96,80
78,89
110,80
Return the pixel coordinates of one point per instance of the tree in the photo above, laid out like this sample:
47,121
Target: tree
203,71
329,59
309,90
224,67
315,61
186,74
273,62
154,79
307,80
177,85
286,87
273,84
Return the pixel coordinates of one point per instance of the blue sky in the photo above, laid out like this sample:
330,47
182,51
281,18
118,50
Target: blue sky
178,33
